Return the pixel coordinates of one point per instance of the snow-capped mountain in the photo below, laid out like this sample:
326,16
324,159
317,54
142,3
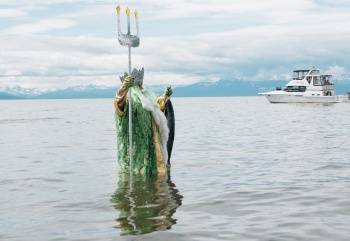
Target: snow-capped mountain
209,89
87,88
21,92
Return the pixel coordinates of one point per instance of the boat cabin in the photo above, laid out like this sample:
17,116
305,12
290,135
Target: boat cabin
313,77
320,80
304,79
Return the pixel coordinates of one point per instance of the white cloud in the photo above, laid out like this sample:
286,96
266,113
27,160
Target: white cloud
338,72
58,82
169,78
181,41
40,26
12,72
11,13
44,2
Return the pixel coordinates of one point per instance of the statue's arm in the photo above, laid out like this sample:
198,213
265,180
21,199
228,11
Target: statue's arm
162,102
120,100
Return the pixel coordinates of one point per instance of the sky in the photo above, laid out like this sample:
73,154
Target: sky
54,44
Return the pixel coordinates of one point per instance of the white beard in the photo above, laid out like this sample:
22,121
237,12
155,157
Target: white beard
150,104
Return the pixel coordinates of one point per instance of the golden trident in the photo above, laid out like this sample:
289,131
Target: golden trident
130,41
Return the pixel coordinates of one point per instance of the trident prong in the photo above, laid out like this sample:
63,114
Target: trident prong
128,39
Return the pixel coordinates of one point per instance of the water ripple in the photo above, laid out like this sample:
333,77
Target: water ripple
242,169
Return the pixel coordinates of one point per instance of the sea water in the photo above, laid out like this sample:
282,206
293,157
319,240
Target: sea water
242,169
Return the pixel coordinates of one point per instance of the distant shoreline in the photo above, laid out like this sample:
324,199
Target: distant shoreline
222,88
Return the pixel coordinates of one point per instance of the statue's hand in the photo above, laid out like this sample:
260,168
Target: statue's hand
128,81
168,91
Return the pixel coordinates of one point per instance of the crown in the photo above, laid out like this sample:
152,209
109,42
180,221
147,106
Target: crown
136,74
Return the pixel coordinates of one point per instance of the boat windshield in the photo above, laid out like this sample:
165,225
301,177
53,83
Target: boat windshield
300,74
295,89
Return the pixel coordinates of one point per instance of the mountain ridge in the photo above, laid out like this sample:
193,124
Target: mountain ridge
201,89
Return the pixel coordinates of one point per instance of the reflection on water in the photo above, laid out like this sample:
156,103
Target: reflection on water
146,204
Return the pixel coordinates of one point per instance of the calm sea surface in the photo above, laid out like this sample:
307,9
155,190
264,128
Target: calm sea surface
242,169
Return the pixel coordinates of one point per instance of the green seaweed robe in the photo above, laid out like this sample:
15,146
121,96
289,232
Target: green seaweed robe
149,131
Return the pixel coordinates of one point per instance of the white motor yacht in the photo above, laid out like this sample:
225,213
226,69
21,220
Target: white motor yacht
307,86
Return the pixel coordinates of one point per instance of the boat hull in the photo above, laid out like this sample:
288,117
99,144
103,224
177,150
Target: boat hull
300,98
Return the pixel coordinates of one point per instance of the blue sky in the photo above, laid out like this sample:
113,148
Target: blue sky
59,43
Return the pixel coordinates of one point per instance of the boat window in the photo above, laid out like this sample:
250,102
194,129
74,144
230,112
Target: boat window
327,79
300,74
295,89
317,80
315,71
308,79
